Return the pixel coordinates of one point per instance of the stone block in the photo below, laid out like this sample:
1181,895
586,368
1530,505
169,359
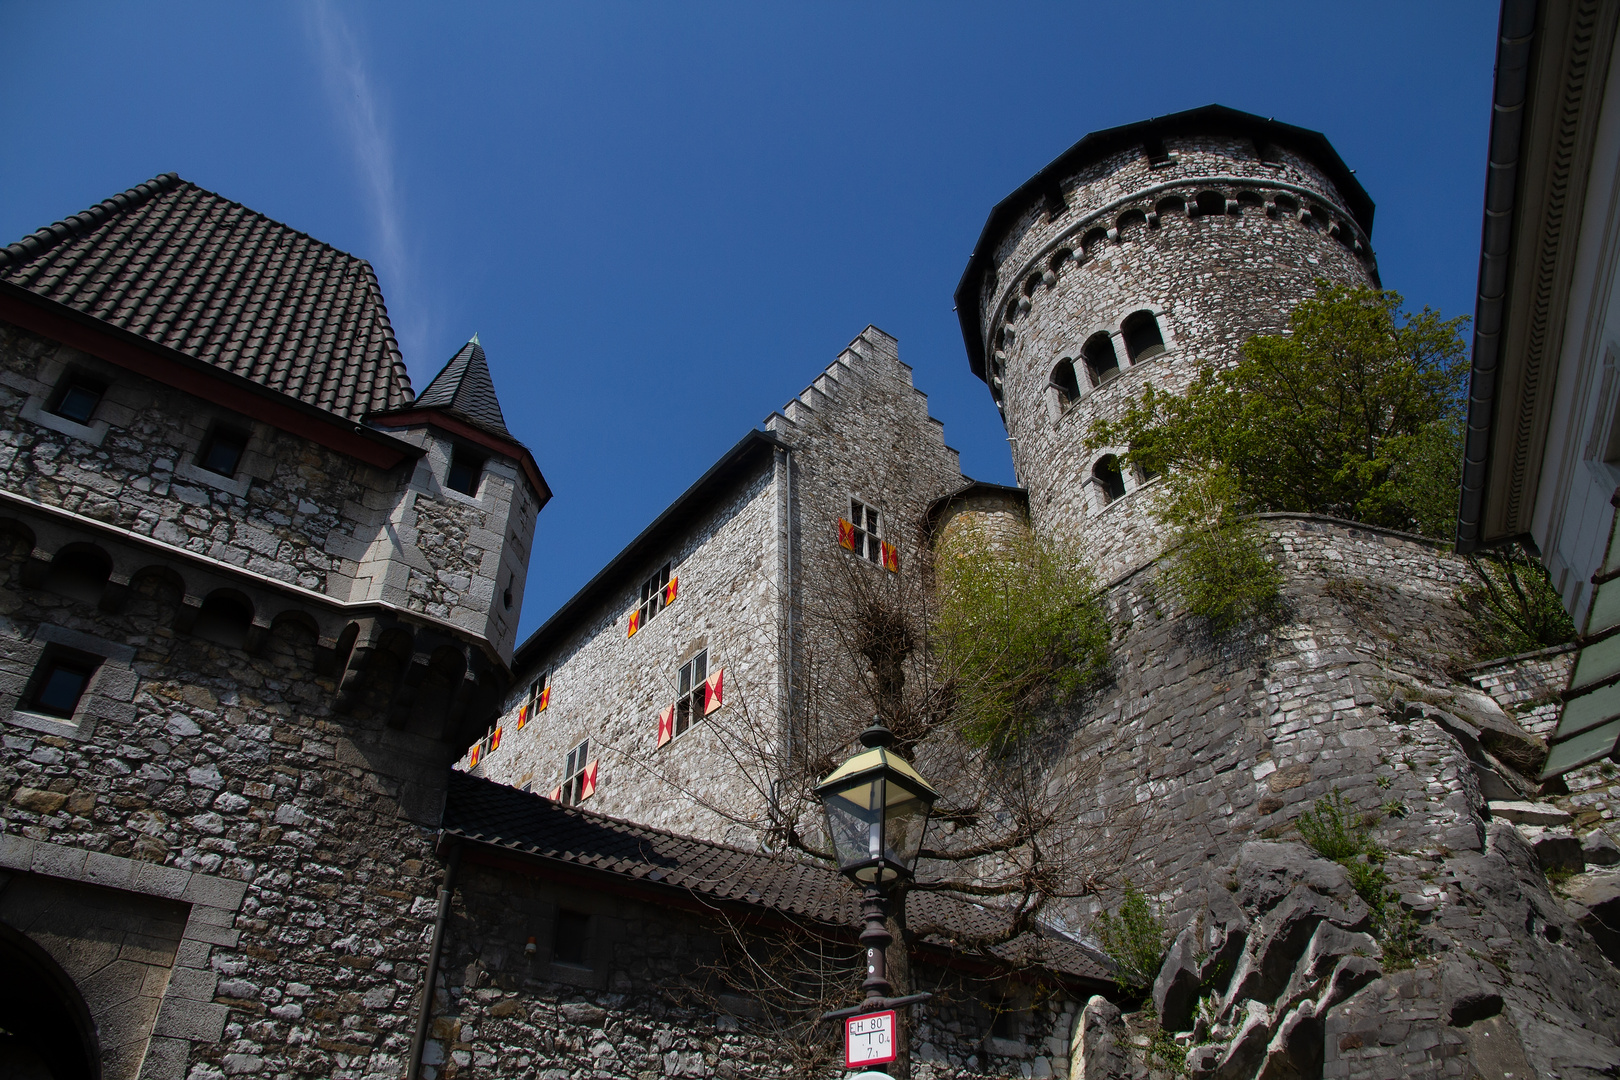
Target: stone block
165,1059
109,870
215,892
185,1018
59,860
192,983
1465,994
1529,813
1599,849
16,852
161,880
1176,989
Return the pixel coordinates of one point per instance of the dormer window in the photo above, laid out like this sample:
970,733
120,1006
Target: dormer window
466,468
76,398
222,451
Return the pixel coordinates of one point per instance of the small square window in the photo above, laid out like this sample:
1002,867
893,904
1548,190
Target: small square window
465,470
573,786
60,682
868,531
222,451
76,398
654,595
571,939
689,703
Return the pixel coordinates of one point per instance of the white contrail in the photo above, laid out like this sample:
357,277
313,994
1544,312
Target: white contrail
355,108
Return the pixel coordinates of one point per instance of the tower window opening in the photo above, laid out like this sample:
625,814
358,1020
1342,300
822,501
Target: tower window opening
1175,204
1109,479
1092,239
1248,199
1066,383
1211,202
222,451
465,470
1142,336
76,398
570,940
79,571
1130,223
1157,155
1102,362
60,682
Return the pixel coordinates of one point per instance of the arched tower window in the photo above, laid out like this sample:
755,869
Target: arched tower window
1211,202
1102,362
1066,383
1109,479
1142,337
224,619
79,571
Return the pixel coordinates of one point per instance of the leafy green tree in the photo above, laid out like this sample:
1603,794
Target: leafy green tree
1356,412
1514,607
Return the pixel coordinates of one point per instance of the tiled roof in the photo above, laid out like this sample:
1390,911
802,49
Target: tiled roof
465,389
500,816
194,272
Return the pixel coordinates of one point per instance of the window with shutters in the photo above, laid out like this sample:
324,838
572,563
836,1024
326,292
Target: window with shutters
654,595
536,699
868,531
689,704
573,786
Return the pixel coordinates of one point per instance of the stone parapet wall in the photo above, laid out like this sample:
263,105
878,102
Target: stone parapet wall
661,994
1361,687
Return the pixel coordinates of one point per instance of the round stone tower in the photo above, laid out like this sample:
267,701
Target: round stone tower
1141,255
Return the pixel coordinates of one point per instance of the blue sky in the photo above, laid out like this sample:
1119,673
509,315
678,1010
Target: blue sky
665,220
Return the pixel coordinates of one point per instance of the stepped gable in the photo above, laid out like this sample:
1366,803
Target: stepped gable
196,273
465,390
494,814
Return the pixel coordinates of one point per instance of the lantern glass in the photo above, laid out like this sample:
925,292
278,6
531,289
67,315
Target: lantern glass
877,811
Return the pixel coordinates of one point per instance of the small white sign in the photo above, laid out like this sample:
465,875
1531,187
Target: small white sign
869,1039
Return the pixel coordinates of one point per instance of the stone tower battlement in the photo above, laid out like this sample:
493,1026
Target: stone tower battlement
1140,256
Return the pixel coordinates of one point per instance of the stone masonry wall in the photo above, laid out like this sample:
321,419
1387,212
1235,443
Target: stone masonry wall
1130,239
649,1002
205,760
295,512
860,430
609,688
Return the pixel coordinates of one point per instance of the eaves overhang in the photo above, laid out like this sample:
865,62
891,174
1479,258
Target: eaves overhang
1551,66
131,351
1045,187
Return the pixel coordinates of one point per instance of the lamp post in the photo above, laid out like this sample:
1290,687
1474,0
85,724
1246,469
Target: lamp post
877,810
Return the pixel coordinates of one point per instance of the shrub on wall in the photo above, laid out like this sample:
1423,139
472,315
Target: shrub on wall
1218,566
1017,626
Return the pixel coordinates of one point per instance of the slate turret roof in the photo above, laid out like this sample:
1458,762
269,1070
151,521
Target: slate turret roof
464,389
206,277
667,865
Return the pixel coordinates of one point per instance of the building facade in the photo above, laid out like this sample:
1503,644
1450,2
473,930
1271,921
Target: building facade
684,667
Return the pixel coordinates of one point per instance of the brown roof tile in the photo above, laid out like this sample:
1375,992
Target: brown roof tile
499,816
194,272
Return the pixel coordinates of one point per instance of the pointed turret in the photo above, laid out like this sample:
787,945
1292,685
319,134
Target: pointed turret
465,390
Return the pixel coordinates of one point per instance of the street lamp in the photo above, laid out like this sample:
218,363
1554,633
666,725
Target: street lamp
877,810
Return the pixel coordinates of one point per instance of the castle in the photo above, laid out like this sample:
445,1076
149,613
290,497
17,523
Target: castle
284,796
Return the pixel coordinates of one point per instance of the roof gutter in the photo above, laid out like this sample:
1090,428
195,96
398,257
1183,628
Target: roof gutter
1514,45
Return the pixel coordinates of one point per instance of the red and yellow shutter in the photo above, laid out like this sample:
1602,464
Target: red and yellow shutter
545,699
587,783
495,740
523,717
891,558
556,794
666,725
846,534
474,754
635,622
713,689
670,590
